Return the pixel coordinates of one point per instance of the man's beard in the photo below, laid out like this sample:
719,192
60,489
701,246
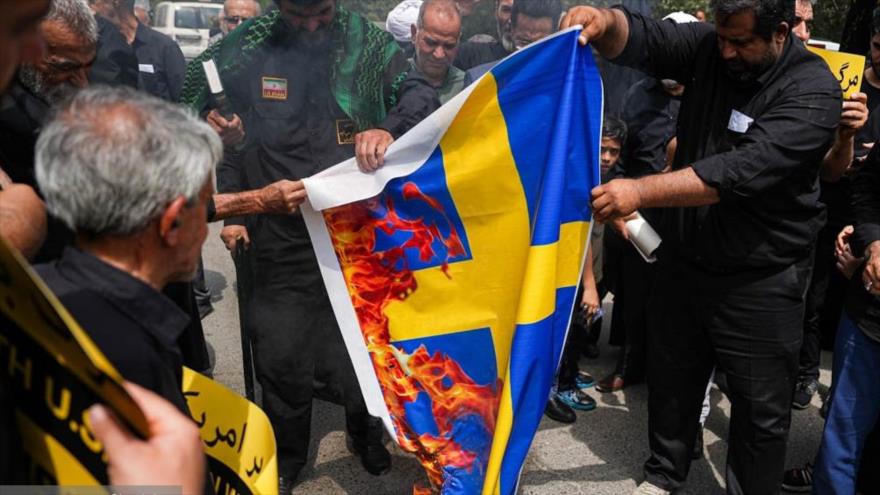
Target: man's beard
743,72
504,36
36,82
315,41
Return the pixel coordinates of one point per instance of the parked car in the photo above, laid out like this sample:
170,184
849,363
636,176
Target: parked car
188,23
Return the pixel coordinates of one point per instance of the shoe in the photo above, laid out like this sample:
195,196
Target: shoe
649,489
205,310
559,411
285,484
611,383
798,480
697,453
576,399
803,393
584,380
375,458
823,411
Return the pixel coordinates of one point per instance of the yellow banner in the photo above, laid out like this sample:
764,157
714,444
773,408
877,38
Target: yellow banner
238,437
847,68
54,373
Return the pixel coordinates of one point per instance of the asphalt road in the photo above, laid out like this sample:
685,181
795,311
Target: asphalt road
602,453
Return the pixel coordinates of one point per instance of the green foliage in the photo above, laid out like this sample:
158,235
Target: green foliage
828,18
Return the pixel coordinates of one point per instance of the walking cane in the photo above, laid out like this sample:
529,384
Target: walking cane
244,277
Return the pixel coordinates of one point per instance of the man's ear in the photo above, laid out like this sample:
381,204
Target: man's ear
782,30
169,222
413,30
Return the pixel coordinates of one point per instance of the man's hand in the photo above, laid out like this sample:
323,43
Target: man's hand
594,21
842,242
590,301
846,263
232,233
231,132
172,456
871,275
282,197
853,115
369,148
618,198
22,218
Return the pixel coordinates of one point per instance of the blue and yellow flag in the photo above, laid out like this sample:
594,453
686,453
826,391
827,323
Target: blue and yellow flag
453,269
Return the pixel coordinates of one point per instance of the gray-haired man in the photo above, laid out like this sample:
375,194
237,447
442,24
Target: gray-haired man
131,176
70,35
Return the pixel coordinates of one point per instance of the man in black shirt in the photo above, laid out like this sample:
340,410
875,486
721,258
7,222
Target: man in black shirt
757,117
472,54
161,64
70,34
131,175
854,409
115,62
289,76
825,295
106,147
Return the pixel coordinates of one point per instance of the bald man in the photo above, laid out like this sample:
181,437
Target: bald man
234,13
436,35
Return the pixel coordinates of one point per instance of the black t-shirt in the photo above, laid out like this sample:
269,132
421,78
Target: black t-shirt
836,195
115,62
161,63
861,306
650,115
760,145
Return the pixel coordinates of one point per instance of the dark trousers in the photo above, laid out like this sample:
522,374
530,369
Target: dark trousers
632,290
747,324
853,413
299,353
580,332
824,304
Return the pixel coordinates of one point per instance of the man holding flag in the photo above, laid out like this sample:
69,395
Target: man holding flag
310,85
757,116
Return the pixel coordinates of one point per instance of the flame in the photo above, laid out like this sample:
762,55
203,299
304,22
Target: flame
375,279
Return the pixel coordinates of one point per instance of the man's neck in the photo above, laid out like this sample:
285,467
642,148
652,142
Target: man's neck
435,82
128,255
127,24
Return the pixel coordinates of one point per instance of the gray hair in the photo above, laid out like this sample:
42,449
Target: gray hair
112,159
447,7
77,16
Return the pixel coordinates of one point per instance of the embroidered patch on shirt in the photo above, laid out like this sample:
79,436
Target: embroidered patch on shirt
274,88
148,68
345,131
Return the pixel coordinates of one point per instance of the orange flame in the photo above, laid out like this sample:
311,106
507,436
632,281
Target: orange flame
376,279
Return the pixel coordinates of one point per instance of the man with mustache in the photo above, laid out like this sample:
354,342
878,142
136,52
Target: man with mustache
436,36
472,54
741,214
70,35
308,85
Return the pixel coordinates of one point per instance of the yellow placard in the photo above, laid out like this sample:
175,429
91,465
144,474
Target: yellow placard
54,373
847,68
238,437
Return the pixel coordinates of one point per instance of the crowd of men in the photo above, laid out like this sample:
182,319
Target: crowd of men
731,139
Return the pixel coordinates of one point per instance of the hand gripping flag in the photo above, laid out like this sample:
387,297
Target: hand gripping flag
453,269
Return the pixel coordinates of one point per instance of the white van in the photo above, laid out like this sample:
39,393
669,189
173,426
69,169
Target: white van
188,23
